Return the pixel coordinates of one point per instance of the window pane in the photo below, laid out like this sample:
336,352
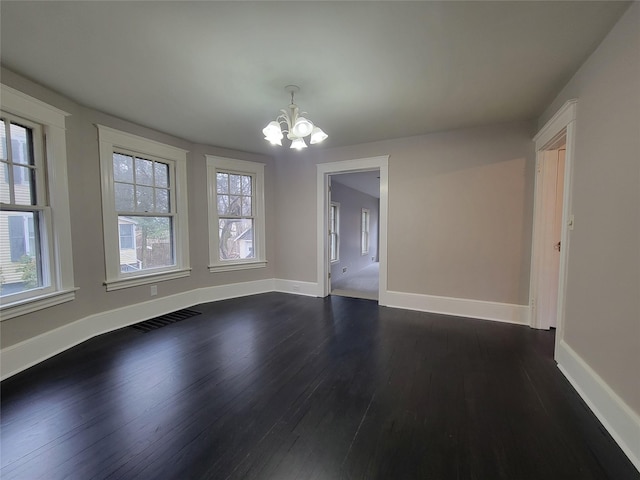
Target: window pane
20,266
23,182
144,199
122,168
21,144
222,183
162,200
3,140
334,247
235,185
153,240
223,204
24,185
235,205
124,197
162,174
246,206
144,171
236,239
4,184
246,185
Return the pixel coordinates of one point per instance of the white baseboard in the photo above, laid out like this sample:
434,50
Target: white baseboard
622,423
25,354
459,307
310,289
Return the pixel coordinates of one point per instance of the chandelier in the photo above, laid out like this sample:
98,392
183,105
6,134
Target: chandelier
297,126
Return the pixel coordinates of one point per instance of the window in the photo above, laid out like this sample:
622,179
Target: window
364,241
35,257
236,214
334,232
144,209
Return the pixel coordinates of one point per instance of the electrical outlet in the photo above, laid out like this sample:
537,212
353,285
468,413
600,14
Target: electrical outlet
154,290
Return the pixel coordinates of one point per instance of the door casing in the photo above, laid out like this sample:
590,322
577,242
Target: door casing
562,124
324,170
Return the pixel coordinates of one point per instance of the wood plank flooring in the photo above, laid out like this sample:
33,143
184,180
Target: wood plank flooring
279,386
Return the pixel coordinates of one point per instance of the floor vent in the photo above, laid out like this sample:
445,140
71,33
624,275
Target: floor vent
164,320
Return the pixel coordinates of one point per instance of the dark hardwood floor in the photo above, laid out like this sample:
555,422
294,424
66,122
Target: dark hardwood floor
279,386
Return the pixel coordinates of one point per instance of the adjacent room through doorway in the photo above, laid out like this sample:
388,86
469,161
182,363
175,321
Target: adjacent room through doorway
354,234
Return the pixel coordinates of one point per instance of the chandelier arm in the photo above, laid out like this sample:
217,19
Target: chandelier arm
284,119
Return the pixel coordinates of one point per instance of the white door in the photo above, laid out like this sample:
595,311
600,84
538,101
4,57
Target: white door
554,252
553,172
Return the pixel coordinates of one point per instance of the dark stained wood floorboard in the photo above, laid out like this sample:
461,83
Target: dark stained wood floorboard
278,386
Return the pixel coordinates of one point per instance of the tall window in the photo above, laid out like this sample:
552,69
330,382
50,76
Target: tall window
236,214
364,238
144,209
35,257
334,232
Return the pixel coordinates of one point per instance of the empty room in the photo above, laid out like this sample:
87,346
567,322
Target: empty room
320,240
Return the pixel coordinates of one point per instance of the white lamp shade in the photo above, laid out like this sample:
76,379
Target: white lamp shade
272,130
302,127
317,135
298,144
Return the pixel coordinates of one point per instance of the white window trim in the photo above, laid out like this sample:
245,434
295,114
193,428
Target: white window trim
53,120
239,166
337,232
111,139
363,250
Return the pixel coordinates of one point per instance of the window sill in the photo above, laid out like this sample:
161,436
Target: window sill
30,305
236,266
136,281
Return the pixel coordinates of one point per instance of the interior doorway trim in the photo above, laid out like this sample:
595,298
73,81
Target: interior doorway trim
324,170
561,124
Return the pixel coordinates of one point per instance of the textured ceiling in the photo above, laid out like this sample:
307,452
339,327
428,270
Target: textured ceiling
214,72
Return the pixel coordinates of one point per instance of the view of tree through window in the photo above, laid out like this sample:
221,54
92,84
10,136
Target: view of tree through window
235,201
143,197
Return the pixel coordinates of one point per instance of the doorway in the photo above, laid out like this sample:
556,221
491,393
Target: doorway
552,220
551,174
326,247
353,234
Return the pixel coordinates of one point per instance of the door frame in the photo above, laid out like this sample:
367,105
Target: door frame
324,170
561,124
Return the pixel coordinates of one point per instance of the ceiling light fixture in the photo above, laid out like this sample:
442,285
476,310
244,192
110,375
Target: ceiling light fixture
297,126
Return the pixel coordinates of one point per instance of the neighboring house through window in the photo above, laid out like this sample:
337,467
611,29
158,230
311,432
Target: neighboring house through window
144,206
236,214
36,268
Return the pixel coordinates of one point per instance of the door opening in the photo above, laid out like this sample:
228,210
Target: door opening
552,220
551,171
353,234
332,240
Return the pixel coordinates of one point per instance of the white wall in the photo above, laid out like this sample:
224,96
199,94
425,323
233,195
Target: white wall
602,318
467,196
